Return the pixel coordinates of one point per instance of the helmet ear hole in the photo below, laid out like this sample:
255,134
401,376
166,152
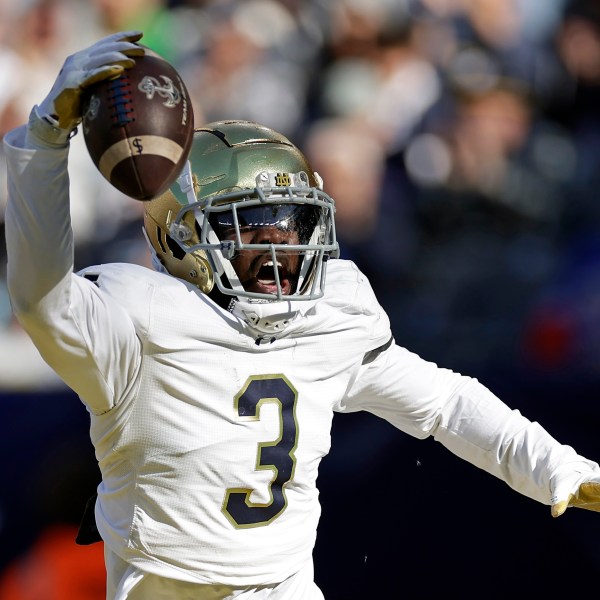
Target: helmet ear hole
176,250
159,239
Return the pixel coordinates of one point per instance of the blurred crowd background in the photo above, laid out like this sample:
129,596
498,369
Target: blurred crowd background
461,142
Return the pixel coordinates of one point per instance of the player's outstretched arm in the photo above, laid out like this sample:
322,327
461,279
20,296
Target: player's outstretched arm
424,400
59,113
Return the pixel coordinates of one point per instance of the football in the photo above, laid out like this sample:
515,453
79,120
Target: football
138,127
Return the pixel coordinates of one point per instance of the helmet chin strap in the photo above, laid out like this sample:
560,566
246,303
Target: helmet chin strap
268,318
156,262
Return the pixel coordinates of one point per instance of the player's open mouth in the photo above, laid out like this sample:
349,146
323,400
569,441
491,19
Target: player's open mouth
265,278
264,281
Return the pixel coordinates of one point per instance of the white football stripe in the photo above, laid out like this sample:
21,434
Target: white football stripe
151,144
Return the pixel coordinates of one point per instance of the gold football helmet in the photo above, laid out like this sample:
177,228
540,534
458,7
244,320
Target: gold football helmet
245,188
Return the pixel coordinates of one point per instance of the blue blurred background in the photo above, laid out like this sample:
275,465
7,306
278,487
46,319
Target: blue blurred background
461,142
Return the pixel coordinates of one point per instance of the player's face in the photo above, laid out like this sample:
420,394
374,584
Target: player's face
272,224
256,268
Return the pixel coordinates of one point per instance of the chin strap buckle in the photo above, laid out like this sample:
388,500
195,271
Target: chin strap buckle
180,232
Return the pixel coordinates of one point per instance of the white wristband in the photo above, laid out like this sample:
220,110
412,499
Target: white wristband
44,129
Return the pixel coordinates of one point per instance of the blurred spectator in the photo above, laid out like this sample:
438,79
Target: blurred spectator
488,139
153,17
374,69
32,42
491,174
351,161
243,66
373,216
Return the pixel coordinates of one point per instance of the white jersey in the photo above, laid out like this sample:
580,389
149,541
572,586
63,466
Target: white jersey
209,440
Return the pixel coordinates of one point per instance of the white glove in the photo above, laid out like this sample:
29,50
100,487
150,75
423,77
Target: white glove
584,493
106,59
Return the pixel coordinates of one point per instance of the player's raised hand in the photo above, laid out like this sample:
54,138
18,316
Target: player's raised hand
105,59
586,495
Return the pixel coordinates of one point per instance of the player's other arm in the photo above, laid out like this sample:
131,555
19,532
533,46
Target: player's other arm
467,418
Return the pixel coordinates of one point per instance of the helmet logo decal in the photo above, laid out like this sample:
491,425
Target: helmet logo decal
283,180
151,86
269,179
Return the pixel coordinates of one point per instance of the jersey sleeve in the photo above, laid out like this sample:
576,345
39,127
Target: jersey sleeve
82,333
423,400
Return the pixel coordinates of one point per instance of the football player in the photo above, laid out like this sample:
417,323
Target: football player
212,380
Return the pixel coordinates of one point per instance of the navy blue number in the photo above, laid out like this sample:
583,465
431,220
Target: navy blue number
277,456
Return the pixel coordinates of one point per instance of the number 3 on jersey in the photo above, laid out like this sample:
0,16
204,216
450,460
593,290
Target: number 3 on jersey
277,455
